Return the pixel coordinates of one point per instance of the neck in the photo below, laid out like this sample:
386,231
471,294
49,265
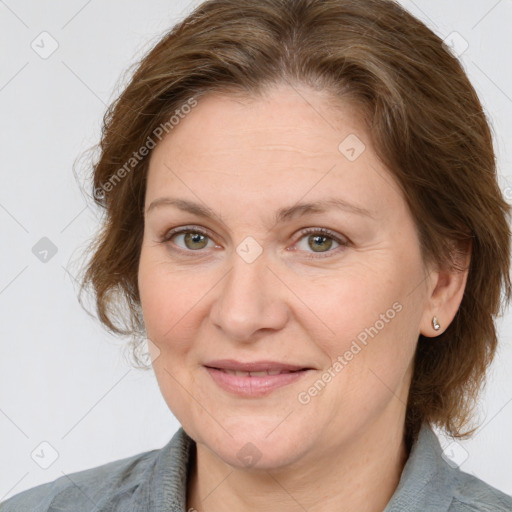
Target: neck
360,475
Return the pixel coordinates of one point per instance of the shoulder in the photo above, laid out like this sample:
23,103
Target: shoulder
464,492
471,494
83,490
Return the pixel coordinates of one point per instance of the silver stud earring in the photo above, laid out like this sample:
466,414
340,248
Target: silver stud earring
435,324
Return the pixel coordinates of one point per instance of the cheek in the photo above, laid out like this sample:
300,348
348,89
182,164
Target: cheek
372,322
349,304
167,299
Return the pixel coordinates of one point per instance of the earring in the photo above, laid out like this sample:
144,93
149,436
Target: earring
435,324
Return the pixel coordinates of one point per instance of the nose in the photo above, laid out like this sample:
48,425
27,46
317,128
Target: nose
250,301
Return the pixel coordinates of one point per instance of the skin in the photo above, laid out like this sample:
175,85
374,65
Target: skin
245,159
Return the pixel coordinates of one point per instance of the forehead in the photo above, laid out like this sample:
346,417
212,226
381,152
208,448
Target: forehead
286,118
289,142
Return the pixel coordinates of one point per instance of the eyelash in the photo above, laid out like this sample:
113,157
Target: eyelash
166,238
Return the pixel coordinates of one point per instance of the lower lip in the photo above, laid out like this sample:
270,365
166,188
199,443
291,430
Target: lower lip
254,386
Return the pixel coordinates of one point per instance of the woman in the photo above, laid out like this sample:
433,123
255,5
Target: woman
304,377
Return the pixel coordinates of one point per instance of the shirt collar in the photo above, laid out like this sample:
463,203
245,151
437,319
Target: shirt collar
164,486
426,482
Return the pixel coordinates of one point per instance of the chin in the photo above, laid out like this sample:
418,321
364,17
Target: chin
256,444
251,457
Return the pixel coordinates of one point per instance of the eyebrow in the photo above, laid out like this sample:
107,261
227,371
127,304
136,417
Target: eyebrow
281,215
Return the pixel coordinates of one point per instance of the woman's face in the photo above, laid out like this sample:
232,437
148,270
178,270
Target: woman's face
255,281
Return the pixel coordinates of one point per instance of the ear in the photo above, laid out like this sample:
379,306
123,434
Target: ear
445,291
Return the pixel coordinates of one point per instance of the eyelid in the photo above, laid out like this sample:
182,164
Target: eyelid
324,231
168,234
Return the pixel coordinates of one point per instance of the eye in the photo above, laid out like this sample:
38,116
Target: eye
192,239
320,240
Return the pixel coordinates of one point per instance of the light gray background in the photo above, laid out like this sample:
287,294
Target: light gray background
63,379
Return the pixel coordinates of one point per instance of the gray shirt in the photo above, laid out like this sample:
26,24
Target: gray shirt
157,481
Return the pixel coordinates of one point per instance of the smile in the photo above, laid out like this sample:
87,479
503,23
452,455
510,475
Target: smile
253,382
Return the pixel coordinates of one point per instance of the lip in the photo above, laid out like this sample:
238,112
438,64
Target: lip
253,366
251,386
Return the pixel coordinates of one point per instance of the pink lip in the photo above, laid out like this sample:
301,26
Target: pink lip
253,386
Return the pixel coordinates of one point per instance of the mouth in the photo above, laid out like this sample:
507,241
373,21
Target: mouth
241,373
254,366
254,379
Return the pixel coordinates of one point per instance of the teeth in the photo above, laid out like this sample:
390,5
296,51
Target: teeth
255,374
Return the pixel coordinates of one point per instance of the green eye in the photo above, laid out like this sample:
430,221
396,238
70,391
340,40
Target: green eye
192,239
319,242
195,240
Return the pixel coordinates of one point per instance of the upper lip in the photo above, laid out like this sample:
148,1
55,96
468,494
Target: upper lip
253,366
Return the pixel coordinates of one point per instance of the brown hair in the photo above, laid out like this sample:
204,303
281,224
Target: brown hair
423,116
